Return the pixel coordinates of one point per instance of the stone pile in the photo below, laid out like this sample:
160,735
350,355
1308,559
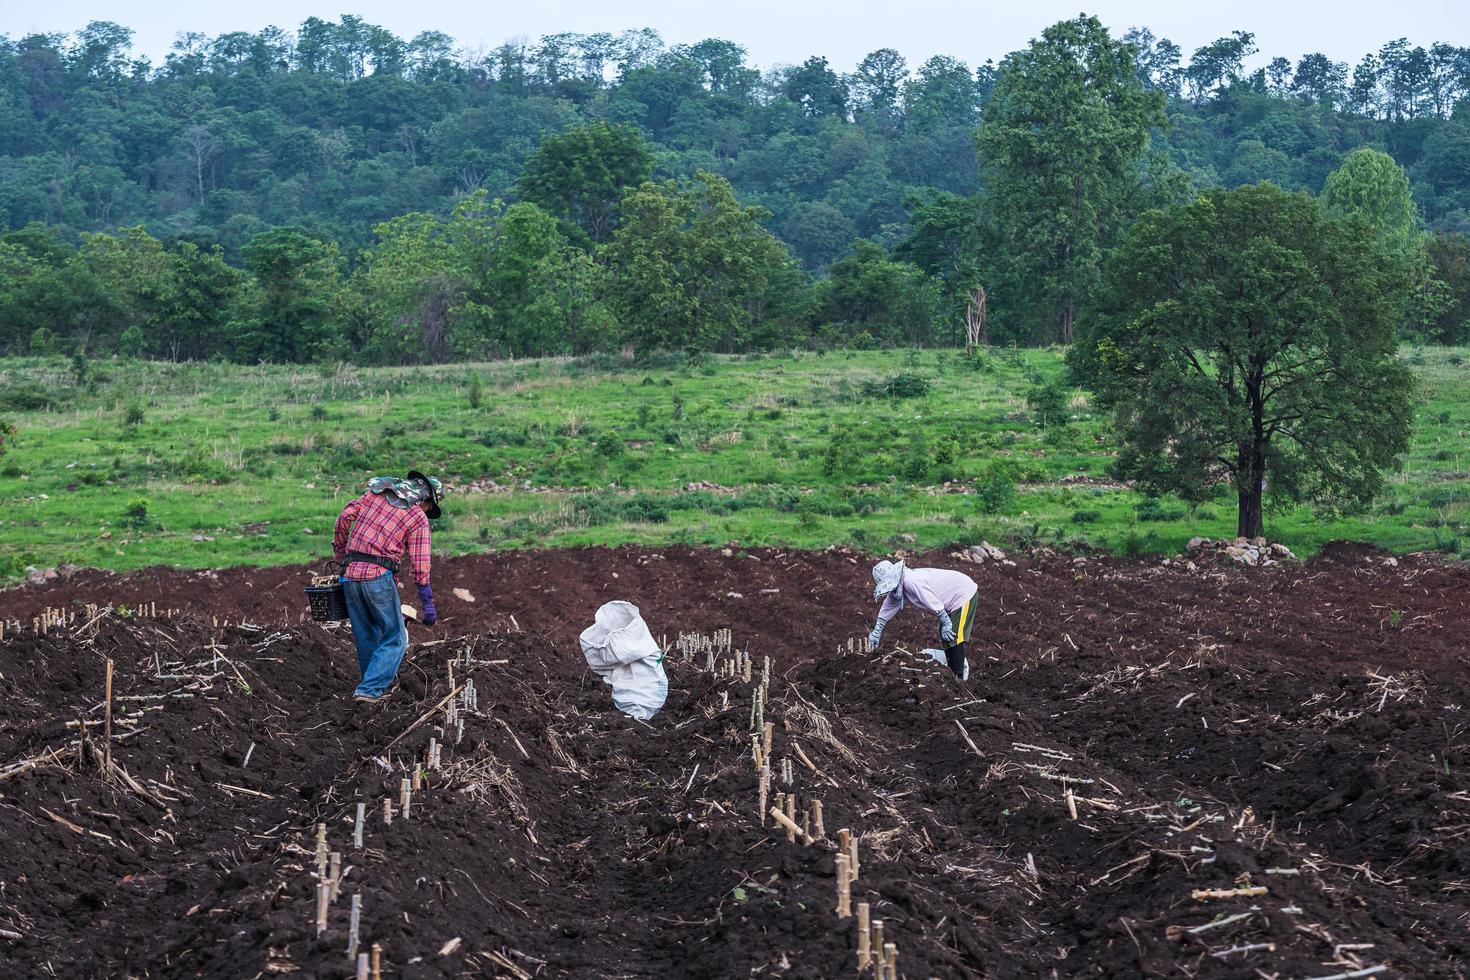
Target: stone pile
982,553
41,576
1245,551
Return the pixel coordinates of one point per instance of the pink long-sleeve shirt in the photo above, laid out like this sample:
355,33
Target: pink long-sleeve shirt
934,589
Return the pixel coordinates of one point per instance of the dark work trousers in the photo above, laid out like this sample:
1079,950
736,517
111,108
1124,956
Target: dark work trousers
962,620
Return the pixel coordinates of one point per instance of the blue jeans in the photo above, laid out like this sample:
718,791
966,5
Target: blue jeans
377,629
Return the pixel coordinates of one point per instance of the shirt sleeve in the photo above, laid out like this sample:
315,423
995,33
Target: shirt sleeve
344,527
890,606
418,551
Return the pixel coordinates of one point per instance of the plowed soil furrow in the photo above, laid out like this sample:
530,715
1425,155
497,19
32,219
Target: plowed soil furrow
1301,730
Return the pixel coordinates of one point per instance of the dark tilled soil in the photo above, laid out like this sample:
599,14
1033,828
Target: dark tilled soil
1212,725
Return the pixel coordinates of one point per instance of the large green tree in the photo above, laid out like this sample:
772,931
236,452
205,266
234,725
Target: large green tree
491,281
1372,188
1370,185
580,175
1449,255
1245,337
291,314
878,299
691,266
1061,144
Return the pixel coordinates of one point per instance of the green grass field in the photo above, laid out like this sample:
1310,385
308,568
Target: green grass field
213,464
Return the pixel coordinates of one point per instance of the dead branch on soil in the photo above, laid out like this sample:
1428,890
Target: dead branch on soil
51,756
480,775
1398,687
421,719
968,740
1208,894
807,717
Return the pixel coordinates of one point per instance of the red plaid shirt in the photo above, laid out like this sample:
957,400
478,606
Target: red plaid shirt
378,528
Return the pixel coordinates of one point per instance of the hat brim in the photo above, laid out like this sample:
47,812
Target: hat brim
433,511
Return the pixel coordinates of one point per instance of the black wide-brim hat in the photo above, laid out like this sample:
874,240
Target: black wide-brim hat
432,488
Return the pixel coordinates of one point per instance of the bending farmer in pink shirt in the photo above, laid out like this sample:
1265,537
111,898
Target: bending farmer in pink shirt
950,596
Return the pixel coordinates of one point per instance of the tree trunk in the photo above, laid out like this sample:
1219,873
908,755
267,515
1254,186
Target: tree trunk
1249,523
1068,320
1250,484
976,330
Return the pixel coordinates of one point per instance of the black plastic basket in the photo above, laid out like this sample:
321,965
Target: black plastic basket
328,603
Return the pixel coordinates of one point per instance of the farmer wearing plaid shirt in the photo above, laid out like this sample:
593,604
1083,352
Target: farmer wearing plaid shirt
373,533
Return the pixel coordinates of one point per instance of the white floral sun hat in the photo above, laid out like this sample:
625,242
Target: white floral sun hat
886,577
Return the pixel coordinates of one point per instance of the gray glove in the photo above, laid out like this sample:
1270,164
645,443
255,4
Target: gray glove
875,637
946,629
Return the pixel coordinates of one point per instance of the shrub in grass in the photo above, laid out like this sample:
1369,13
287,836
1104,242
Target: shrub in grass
783,499
29,396
979,360
1152,509
476,392
837,454
904,385
1086,516
1048,404
135,514
822,503
609,508
1444,496
916,463
645,509
1447,543
44,342
133,415
1135,544
995,487
610,445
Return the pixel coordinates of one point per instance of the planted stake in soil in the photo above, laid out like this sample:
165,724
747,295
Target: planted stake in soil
354,924
844,888
107,722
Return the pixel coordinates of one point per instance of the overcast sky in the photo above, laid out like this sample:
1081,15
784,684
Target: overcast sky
788,31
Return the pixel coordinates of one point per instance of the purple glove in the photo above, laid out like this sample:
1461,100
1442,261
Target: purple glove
426,601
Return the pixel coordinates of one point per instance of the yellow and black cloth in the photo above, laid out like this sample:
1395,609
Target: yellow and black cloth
963,621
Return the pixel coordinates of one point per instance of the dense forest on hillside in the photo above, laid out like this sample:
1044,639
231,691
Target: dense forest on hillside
339,191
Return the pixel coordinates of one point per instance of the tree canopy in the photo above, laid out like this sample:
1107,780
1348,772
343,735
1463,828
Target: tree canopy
1062,138
239,146
1248,337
